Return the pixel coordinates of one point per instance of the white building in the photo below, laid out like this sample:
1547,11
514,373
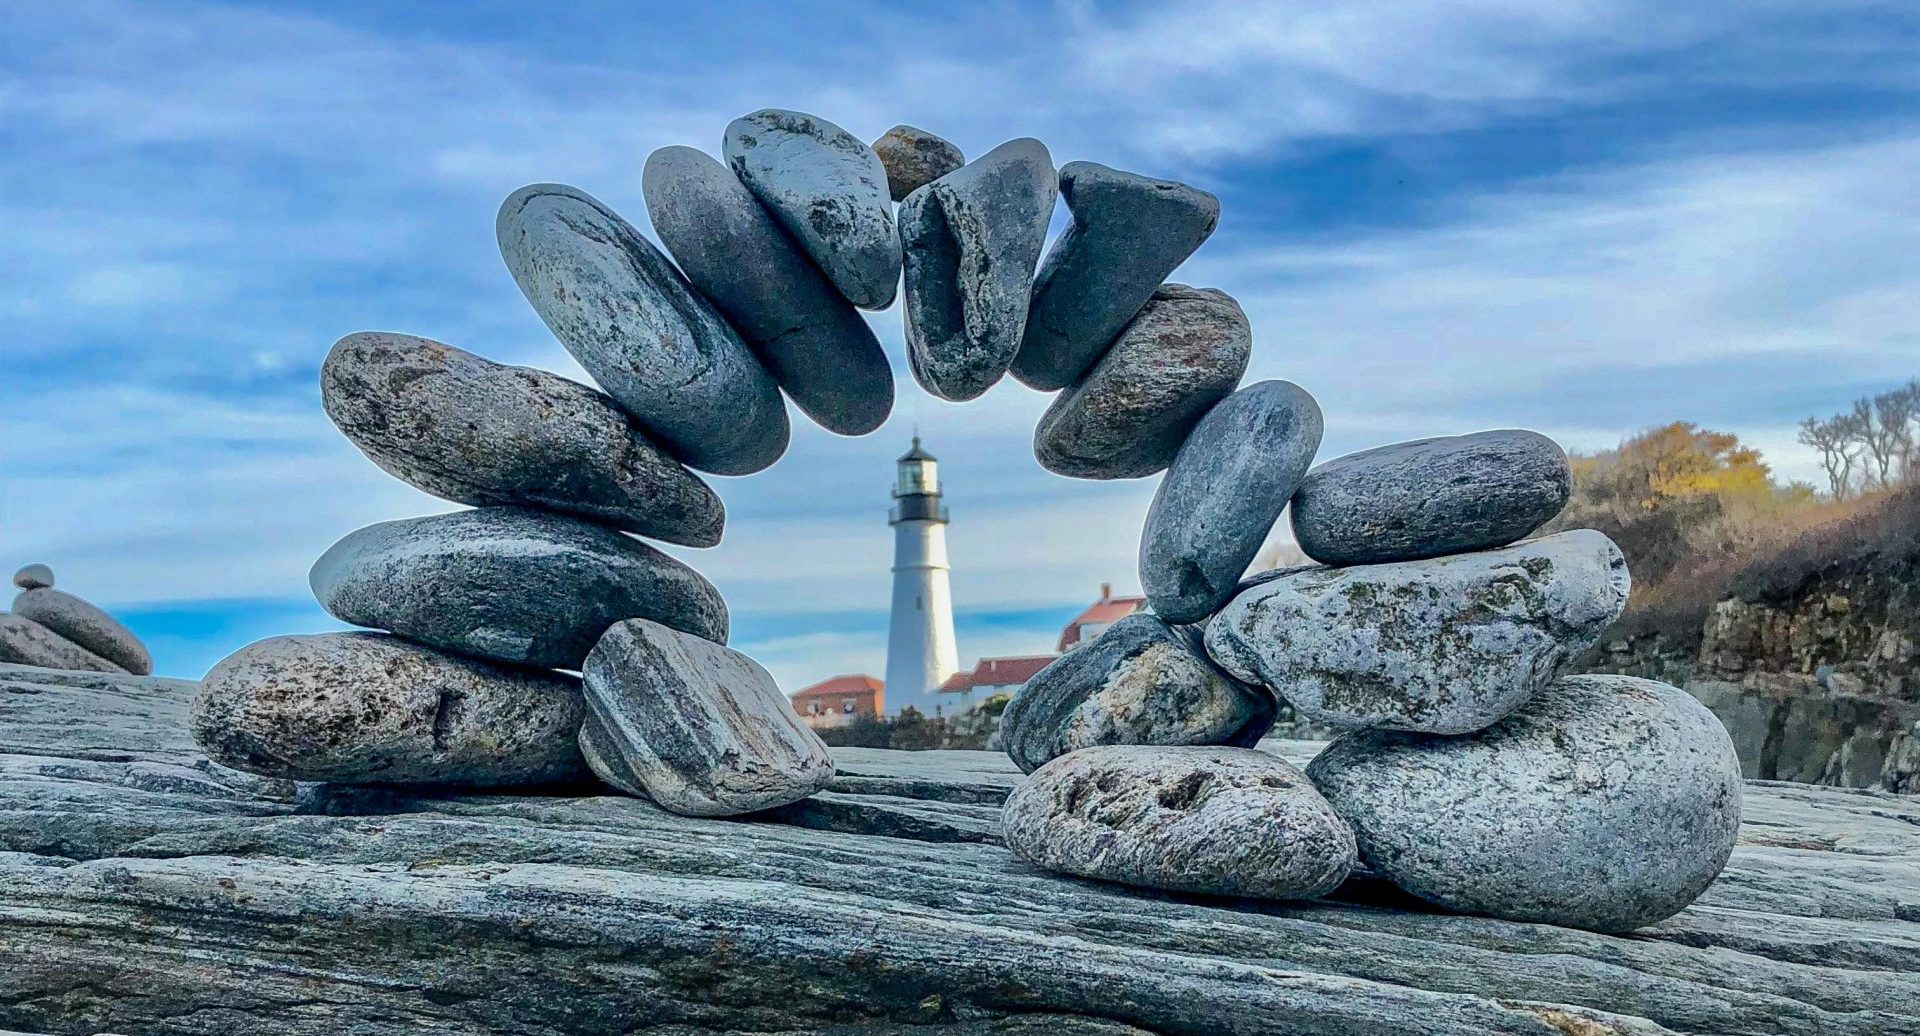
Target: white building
921,653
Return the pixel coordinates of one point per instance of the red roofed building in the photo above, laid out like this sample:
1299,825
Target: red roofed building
1099,615
839,701
992,676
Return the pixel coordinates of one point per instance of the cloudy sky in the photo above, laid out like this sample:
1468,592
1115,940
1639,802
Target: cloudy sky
1441,215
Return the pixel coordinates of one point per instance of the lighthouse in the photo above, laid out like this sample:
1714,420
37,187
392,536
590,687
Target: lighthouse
920,647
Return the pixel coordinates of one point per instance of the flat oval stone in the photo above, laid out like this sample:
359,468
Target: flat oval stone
364,708
1211,820
33,577
703,729
1128,233
1605,802
639,328
1430,497
1140,682
85,625
914,158
473,431
509,584
1444,646
1222,494
26,642
1129,415
808,335
828,188
970,241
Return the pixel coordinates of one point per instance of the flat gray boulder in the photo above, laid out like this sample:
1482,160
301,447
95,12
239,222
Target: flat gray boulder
641,330
829,189
1430,497
701,728
1212,820
364,708
1220,497
817,346
473,431
1604,802
914,158
33,577
970,241
1128,416
1140,682
1444,646
509,584
26,642
85,625
1128,233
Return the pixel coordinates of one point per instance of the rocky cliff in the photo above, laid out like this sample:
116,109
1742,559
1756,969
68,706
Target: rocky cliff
144,890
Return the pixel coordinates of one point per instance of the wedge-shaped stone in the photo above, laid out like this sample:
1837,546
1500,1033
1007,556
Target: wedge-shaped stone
509,584
26,642
1222,494
1128,233
806,333
829,189
702,729
1430,497
473,431
1604,802
970,241
364,708
639,328
1218,821
914,158
1444,646
85,625
1128,416
1140,682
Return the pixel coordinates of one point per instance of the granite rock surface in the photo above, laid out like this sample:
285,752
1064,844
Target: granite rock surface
26,642
85,625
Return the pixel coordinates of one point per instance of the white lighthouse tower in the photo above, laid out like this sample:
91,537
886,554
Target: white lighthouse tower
920,648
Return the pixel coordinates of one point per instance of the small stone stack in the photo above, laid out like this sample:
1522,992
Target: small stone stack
56,630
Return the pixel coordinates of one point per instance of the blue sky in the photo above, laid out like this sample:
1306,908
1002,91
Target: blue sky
1582,217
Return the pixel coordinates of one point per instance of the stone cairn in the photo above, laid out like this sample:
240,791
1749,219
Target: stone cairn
1475,773
55,630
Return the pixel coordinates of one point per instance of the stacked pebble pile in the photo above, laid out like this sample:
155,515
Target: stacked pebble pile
1476,774
56,630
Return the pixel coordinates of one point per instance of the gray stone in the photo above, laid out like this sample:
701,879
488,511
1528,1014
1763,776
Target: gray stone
1444,646
26,642
1222,494
85,625
1213,820
33,577
641,330
1605,802
1128,233
366,708
914,158
1140,682
970,241
806,333
603,757
1129,414
473,431
1430,497
509,584
829,190
701,728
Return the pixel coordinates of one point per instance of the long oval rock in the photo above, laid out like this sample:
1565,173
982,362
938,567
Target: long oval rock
1128,233
639,328
970,241
1430,497
473,431
810,337
509,584
366,708
1220,497
1216,821
26,642
85,625
1605,802
1128,416
1444,646
701,728
829,189
1140,682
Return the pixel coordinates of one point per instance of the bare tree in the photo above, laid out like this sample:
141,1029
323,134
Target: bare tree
1882,434
1897,413
1835,439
